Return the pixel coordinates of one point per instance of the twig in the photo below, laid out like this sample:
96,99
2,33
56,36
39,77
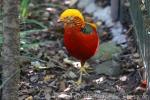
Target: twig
131,27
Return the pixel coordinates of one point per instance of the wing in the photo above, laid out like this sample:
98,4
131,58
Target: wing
89,28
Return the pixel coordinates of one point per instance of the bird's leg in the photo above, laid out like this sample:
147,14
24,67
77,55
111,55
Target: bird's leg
82,70
80,78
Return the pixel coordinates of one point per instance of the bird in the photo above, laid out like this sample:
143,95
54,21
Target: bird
80,37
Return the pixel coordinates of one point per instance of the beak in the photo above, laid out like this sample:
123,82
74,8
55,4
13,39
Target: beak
59,20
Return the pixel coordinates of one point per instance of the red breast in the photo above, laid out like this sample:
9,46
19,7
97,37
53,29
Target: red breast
79,45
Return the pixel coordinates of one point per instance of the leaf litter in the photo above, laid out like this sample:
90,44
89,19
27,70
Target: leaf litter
51,73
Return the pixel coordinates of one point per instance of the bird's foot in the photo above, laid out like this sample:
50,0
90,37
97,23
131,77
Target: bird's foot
83,70
86,69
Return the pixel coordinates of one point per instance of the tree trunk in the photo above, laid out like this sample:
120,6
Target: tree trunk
10,50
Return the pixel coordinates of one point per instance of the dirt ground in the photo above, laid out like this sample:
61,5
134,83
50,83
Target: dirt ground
48,71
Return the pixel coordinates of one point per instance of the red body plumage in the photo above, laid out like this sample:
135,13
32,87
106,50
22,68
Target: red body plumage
80,45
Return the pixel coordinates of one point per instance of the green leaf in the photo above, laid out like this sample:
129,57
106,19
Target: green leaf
25,21
1,39
24,6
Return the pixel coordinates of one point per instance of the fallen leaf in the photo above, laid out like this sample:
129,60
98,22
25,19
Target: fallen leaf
62,86
48,78
67,89
29,98
130,97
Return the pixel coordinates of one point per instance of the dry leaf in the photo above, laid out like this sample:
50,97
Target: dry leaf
62,86
67,89
29,98
48,78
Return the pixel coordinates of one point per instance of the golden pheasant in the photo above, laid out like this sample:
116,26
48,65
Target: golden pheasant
80,38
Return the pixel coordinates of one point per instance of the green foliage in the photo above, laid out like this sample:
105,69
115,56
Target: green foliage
1,39
142,33
32,21
1,26
24,8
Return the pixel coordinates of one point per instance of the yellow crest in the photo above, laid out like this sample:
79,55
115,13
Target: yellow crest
72,17
71,12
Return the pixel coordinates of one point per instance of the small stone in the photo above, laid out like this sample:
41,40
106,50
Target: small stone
100,80
34,78
105,52
111,68
51,10
64,96
123,78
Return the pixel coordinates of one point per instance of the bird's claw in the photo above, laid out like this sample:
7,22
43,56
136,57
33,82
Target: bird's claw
83,70
89,69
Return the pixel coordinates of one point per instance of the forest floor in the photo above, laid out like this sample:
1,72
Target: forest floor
50,73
